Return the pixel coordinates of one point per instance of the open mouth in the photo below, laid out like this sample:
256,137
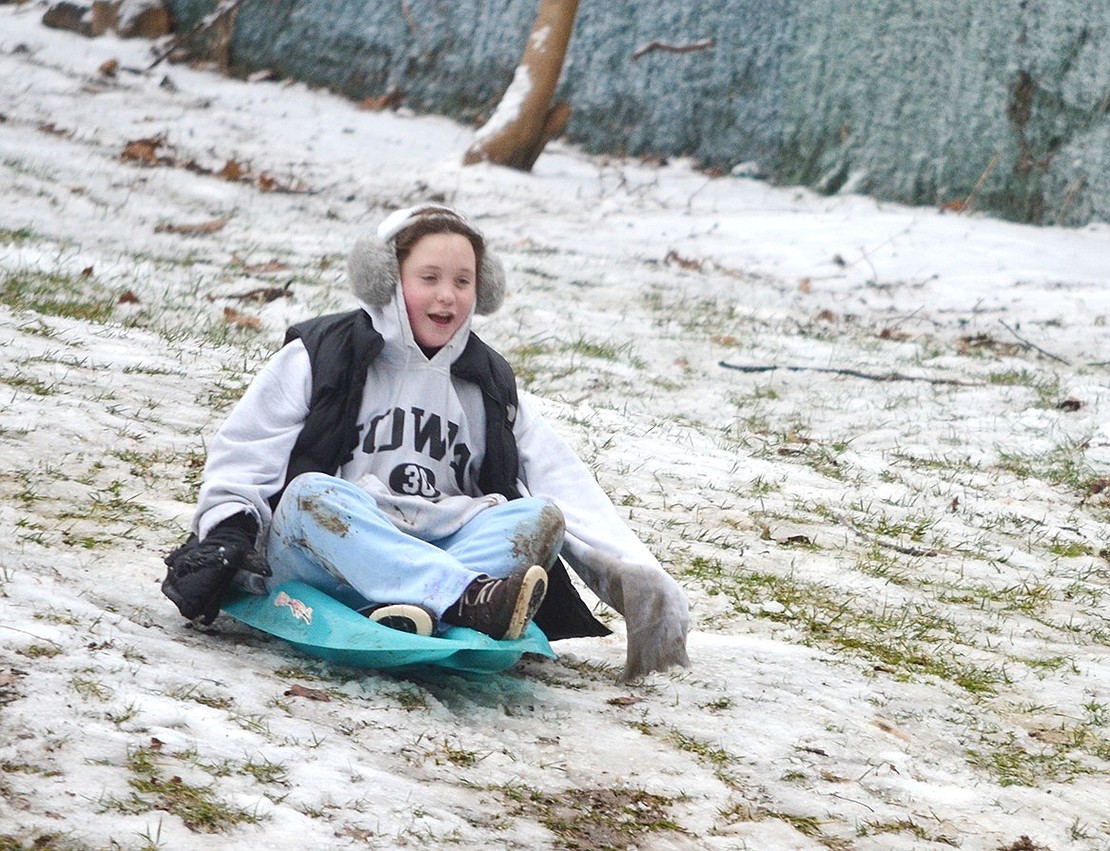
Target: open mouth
441,319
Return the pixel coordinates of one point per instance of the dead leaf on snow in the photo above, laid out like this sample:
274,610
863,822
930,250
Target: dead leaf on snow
202,229
797,540
241,320
376,103
257,268
54,130
264,294
623,701
145,151
310,693
233,170
683,262
985,343
1023,844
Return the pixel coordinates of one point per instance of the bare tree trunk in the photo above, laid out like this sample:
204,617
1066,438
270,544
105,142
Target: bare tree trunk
525,120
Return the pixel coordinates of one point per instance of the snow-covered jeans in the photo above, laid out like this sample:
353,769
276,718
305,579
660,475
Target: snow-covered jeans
348,548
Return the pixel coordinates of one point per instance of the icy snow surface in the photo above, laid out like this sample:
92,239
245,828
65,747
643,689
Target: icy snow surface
898,587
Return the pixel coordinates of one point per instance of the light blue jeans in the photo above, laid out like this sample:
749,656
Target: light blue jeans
348,548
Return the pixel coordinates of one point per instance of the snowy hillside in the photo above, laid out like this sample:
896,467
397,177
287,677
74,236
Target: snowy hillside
872,443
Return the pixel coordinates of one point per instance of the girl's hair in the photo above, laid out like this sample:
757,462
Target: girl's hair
437,220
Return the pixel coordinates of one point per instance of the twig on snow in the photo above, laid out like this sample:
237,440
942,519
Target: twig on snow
970,199
1025,342
852,373
36,637
915,552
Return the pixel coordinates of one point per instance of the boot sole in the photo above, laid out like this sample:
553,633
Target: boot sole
404,617
533,588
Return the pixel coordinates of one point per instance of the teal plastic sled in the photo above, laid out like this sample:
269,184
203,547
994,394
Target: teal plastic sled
323,627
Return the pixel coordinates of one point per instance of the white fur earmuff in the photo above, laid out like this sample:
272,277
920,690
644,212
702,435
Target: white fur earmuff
374,274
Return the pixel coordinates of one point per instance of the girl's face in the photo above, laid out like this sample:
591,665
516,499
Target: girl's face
439,283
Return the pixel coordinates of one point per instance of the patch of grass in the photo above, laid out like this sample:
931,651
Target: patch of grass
760,487
704,751
910,640
1069,549
89,688
197,806
193,693
411,699
123,715
1054,756
9,767
18,236
909,528
597,671
297,672
460,756
40,651
1027,598
29,384
221,394
1064,466
876,828
1098,714
1012,378
266,772
46,841
60,617
150,465
109,505
594,819
56,294
257,723
805,825
526,360
792,445
604,351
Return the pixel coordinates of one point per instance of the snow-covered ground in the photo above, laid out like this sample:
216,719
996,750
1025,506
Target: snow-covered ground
900,588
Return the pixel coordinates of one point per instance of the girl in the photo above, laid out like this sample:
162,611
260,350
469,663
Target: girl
384,456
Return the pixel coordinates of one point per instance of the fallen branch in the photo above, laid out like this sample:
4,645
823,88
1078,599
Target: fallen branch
914,552
33,635
1026,343
852,373
970,199
653,46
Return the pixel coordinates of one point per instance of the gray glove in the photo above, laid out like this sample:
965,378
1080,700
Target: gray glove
656,612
